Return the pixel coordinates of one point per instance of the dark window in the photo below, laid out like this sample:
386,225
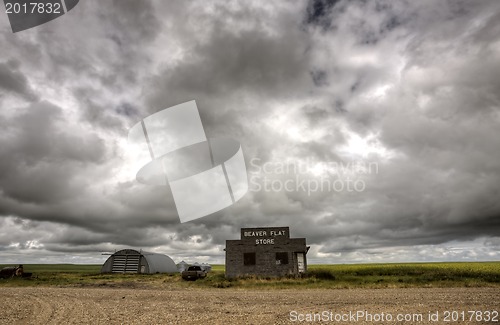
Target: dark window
282,258
248,258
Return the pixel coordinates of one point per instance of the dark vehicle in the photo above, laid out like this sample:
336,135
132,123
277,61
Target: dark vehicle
194,273
12,271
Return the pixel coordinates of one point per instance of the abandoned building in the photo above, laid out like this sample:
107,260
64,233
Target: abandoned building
266,252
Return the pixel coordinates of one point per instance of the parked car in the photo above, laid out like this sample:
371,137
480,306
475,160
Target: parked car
194,273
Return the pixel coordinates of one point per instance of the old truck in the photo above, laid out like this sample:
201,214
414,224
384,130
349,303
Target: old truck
194,273
13,271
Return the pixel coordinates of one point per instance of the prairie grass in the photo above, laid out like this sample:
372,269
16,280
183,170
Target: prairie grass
479,274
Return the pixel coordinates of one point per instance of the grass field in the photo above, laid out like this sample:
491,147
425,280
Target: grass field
480,274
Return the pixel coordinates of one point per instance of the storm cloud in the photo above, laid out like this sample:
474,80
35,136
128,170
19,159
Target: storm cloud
368,127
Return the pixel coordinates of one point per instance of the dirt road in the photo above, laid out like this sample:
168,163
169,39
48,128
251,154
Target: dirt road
231,306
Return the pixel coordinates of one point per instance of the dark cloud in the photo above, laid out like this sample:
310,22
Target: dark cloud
36,143
13,80
318,12
228,63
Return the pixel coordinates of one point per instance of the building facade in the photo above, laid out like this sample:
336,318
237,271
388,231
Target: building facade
266,252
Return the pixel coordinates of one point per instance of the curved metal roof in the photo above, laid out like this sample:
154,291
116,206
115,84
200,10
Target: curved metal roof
134,261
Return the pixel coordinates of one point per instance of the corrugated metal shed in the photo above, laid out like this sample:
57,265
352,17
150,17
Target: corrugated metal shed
182,266
133,261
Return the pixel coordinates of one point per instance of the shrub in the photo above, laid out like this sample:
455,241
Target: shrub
321,274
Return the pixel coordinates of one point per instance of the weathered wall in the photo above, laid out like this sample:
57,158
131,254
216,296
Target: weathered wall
265,242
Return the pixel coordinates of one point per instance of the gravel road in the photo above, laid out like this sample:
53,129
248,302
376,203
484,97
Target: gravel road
51,305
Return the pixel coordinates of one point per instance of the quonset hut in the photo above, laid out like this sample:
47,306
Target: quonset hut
133,261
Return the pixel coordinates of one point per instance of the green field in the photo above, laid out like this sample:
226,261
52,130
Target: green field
480,274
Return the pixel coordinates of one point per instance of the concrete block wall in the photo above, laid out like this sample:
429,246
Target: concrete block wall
265,262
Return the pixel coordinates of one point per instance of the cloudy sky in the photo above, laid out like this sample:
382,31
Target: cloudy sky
368,127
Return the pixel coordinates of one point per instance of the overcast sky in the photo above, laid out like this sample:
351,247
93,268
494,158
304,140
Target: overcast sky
400,100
